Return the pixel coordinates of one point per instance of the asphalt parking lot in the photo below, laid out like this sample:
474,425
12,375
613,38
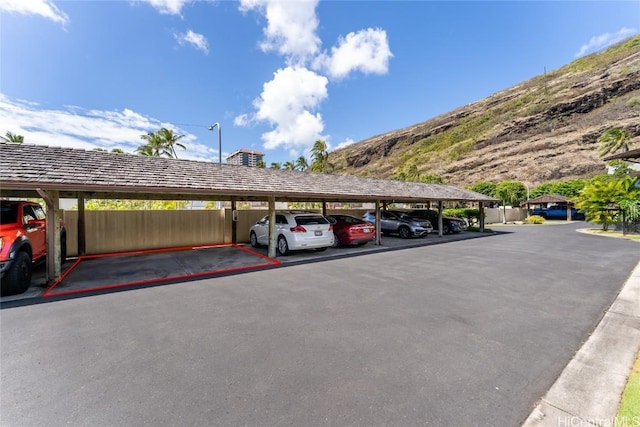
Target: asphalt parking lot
470,332
112,272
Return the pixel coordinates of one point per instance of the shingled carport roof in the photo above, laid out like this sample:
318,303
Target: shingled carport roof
25,167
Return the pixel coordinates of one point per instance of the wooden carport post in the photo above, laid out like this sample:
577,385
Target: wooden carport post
439,218
52,199
378,224
272,227
481,211
234,221
81,228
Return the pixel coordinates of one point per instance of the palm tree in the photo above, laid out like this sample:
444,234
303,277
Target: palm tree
289,165
261,164
302,164
146,150
13,138
275,165
154,146
612,140
161,143
170,140
320,157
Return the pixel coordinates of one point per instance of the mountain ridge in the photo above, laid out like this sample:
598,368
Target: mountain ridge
539,130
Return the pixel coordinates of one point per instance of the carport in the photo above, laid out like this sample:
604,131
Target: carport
54,172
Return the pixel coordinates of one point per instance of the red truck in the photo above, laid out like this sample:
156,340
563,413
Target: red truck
23,242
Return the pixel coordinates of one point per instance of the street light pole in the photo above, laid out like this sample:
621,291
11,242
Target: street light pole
212,127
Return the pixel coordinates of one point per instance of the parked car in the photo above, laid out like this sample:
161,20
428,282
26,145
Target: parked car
349,230
558,212
296,230
449,224
23,242
401,223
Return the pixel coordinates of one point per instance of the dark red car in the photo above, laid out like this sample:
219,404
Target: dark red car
349,230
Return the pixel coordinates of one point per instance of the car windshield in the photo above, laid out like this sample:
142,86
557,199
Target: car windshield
405,215
350,219
8,214
311,220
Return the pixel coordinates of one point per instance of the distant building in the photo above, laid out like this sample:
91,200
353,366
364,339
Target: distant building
245,157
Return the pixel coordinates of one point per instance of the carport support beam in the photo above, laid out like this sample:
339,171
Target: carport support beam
234,223
82,235
52,199
481,211
439,218
272,227
378,224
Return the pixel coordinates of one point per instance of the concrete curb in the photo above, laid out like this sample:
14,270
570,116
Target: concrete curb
589,389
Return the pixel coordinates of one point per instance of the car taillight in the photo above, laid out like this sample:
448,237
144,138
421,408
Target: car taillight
299,229
330,227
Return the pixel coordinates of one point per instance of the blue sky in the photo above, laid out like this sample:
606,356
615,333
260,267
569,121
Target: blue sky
276,75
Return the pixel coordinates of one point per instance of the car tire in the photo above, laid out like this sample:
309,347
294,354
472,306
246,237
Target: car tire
404,232
336,241
445,229
253,239
18,277
283,246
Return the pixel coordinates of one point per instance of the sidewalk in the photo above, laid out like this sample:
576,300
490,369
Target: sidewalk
589,389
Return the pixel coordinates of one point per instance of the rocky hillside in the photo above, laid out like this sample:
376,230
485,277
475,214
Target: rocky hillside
540,130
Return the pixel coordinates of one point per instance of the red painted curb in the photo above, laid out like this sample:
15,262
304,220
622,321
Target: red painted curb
49,293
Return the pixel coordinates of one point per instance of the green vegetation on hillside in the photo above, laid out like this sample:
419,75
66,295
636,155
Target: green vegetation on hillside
600,59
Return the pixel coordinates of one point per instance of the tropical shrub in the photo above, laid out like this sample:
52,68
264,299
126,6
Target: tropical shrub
534,219
604,197
470,215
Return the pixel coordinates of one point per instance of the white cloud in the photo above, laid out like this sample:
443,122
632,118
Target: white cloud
288,103
345,143
366,51
242,120
44,8
291,27
167,7
197,40
605,40
87,129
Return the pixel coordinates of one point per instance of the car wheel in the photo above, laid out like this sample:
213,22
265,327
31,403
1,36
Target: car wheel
283,246
404,232
18,277
445,229
253,239
336,241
